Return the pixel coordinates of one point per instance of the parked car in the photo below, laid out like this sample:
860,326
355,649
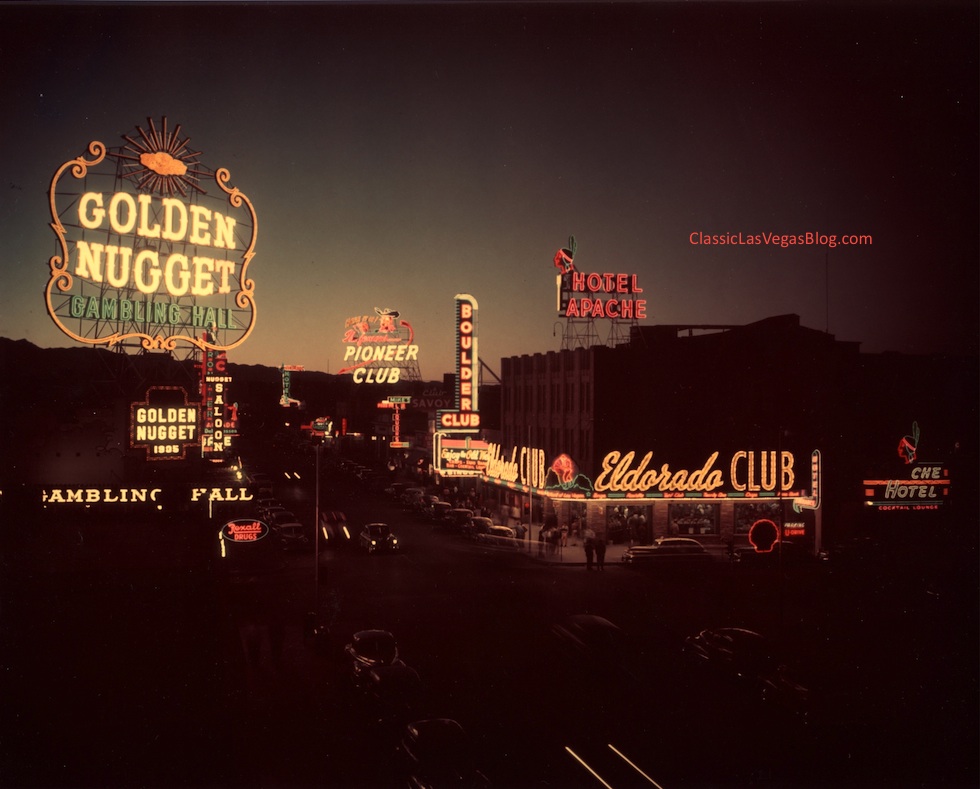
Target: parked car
440,513
277,518
458,519
410,496
666,550
375,537
588,640
476,528
369,649
749,659
423,506
436,753
260,484
293,537
395,490
393,694
501,536
266,504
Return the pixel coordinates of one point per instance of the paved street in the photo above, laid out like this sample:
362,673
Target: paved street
172,678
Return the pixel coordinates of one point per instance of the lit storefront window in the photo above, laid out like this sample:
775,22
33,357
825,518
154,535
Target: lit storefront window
693,519
749,512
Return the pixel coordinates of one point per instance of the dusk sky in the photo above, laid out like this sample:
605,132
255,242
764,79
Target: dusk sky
398,155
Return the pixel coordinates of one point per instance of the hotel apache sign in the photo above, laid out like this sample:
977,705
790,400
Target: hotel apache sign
922,485
145,252
592,295
378,347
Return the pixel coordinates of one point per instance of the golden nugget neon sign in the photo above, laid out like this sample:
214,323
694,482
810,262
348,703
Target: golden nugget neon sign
164,429
158,264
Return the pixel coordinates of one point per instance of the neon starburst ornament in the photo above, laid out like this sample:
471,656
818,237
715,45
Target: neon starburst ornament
159,161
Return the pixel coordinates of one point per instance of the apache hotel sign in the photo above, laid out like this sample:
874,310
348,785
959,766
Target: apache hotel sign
152,246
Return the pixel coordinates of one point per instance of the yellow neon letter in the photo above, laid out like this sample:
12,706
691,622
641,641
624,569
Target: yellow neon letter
225,268
117,276
114,221
788,475
144,256
224,231
200,216
203,285
174,231
144,230
735,458
178,288
89,263
90,218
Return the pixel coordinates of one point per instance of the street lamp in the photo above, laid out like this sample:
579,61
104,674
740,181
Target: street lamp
316,536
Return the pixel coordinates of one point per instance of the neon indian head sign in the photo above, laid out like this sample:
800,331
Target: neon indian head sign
152,247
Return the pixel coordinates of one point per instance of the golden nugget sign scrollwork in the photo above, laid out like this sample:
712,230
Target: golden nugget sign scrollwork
145,253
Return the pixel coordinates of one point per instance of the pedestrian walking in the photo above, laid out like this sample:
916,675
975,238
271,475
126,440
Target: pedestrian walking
589,550
564,534
600,554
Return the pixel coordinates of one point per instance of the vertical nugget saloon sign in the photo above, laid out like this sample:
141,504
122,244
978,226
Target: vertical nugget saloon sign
152,247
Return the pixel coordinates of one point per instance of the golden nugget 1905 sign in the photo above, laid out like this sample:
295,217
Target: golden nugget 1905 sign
146,252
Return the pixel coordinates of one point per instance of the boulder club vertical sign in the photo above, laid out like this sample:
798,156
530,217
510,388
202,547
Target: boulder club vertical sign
465,418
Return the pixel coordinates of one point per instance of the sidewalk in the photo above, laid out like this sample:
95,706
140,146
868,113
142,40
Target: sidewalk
572,554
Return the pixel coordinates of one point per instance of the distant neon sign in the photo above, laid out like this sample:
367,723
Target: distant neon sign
921,486
244,530
466,416
164,424
564,476
154,496
525,466
908,446
926,487
220,415
751,473
603,296
155,260
378,347
593,295
465,456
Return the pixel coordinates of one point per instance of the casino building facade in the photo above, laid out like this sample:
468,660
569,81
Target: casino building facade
703,431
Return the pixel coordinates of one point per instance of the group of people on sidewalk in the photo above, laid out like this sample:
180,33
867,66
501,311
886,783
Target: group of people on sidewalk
595,545
553,538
